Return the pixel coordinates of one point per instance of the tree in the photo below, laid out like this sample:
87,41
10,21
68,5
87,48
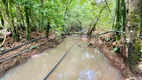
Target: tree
141,18
120,17
27,12
132,44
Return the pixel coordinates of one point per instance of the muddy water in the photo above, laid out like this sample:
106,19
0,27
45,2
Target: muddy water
79,64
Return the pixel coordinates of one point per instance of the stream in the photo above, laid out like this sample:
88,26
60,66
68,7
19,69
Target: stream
79,64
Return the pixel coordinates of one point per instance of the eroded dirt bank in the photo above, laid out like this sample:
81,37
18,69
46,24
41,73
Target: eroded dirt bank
116,60
52,41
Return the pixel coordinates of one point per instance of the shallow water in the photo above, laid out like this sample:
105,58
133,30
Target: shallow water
79,64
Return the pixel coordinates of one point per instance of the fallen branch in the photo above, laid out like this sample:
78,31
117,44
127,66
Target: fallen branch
106,33
80,32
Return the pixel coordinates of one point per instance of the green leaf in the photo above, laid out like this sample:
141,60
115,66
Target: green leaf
107,39
140,51
115,49
33,47
1,49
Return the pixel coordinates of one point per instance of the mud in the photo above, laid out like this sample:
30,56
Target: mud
6,65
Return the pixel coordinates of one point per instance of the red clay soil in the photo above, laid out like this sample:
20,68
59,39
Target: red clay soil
10,43
114,58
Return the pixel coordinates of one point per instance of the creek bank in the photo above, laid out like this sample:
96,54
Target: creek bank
114,58
10,43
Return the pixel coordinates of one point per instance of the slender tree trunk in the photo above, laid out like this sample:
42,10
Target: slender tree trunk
22,25
47,29
123,14
141,18
27,23
2,21
14,31
118,18
92,28
42,12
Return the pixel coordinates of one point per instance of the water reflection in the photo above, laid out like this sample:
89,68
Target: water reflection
87,75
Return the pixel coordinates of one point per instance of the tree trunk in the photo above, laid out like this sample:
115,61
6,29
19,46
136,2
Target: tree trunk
141,19
123,14
42,12
118,18
2,21
27,23
8,12
47,29
14,31
131,38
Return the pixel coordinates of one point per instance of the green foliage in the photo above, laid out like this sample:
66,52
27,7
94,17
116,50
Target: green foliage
140,51
2,49
137,46
107,39
136,57
134,18
61,14
33,47
115,49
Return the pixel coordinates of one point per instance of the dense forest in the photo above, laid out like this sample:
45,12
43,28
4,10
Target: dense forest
117,23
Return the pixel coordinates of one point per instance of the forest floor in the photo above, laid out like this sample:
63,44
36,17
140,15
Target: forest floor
10,43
